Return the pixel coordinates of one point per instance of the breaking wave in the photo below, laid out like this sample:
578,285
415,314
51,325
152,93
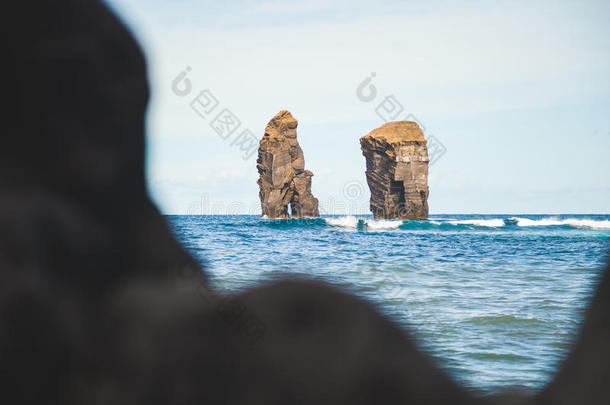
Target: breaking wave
490,223
573,222
352,222
369,224
372,224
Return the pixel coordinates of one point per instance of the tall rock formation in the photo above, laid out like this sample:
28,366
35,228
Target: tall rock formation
397,170
283,179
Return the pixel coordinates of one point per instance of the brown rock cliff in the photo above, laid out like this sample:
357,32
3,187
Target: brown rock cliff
283,180
397,170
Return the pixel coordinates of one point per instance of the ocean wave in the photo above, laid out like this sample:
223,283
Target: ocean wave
382,224
503,320
368,224
304,222
343,222
490,223
527,222
512,357
352,222
554,221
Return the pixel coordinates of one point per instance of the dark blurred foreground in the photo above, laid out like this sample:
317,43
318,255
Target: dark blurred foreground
100,305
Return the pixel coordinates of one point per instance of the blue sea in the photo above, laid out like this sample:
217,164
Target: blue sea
497,299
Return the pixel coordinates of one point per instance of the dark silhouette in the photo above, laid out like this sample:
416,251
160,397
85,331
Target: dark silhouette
100,305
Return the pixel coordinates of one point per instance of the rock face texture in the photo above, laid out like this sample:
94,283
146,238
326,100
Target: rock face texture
397,170
283,179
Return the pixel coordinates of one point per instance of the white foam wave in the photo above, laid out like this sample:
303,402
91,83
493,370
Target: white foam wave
343,222
382,224
492,223
576,222
373,224
352,222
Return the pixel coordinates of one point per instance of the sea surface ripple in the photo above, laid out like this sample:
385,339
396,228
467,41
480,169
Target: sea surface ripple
497,299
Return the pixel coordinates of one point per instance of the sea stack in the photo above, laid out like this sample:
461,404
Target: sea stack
397,170
283,179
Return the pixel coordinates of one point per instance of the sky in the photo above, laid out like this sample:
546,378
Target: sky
516,94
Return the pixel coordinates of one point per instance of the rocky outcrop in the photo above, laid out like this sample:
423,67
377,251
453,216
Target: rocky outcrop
99,304
397,170
283,179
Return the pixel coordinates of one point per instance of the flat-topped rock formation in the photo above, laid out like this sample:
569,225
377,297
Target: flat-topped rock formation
99,304
397,170
283,180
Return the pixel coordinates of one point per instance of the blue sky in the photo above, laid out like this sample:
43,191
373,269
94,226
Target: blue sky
518,94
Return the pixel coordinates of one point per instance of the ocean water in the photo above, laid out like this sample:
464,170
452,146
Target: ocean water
497,299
